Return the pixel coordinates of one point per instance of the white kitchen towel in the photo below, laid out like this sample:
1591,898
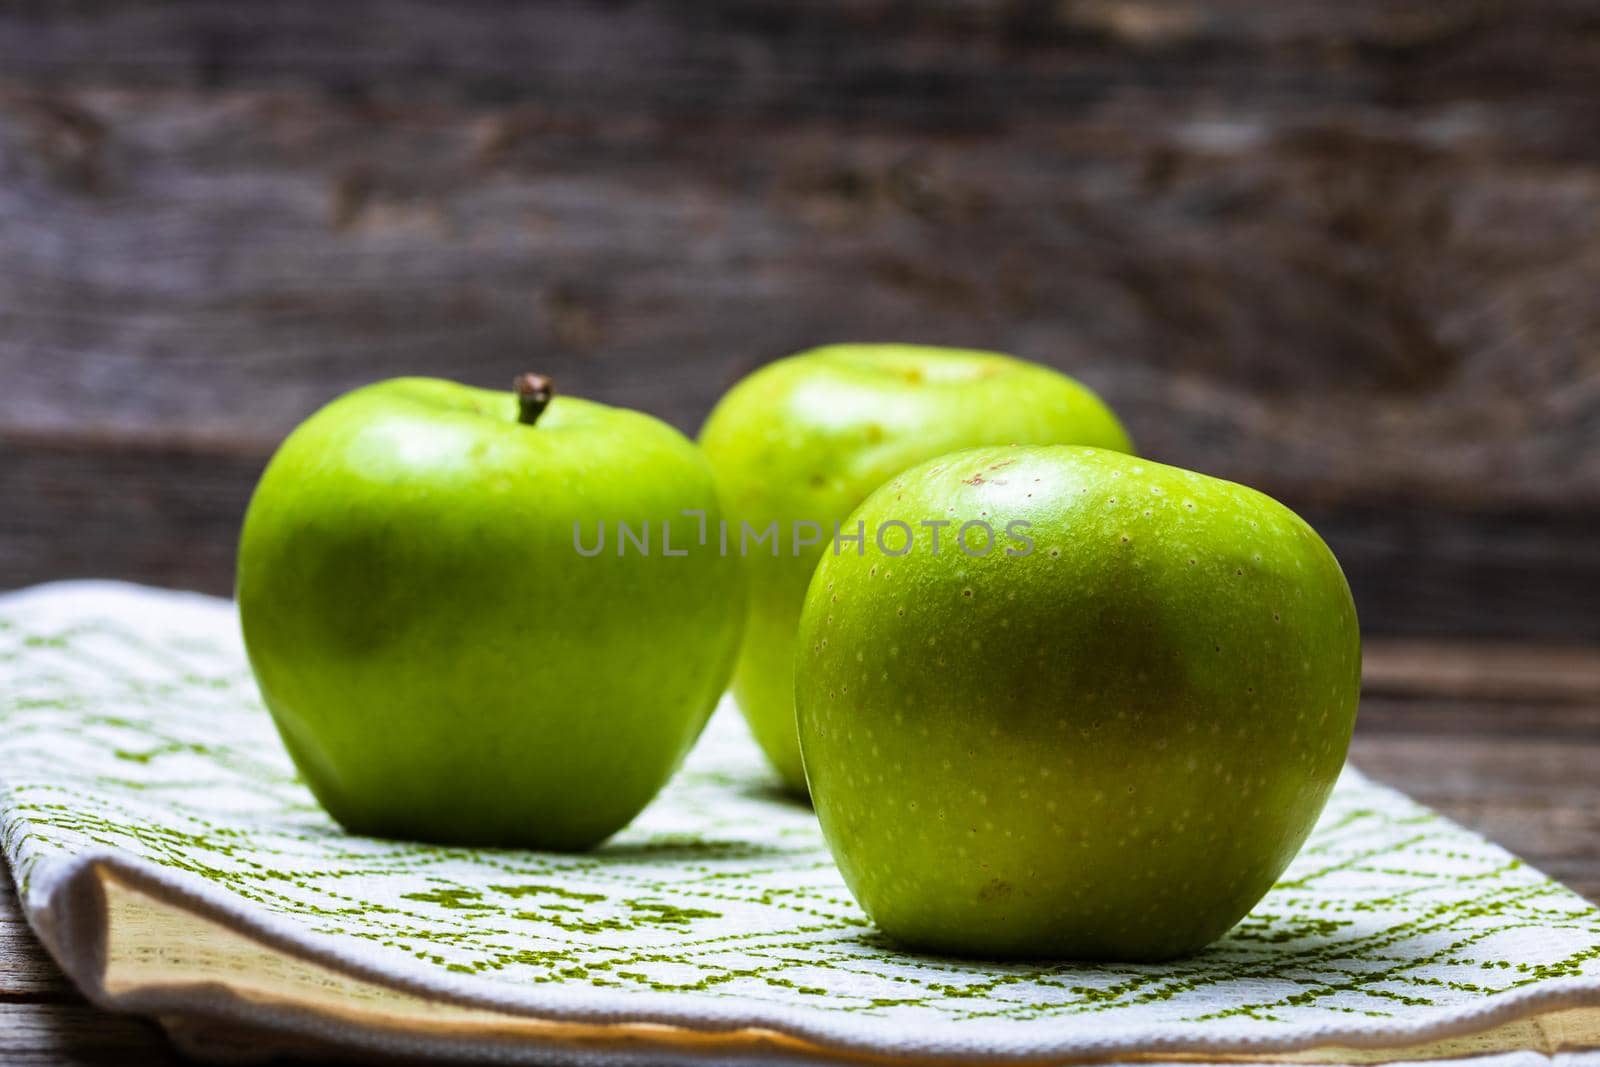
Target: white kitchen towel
169,858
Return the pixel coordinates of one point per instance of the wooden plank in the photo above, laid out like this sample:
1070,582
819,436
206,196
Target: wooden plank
1338,252
1520,673
240,258
1457,717
220,311
1464,572
1465,770
164,514
27,973
77,1035
1268,276
166,511
944,62
1504,738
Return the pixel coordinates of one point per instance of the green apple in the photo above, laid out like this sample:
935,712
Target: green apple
1105,737
441,659
806,438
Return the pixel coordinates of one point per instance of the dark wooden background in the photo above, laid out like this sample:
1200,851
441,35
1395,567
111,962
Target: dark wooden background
1348,253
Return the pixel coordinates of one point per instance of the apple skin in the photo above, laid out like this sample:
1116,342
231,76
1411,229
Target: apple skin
1106,749
809,436
441,662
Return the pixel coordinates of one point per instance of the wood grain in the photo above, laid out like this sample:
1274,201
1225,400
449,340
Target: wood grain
167,512
44,1022
240,257
76,1035
26,970
1518,673
1344,253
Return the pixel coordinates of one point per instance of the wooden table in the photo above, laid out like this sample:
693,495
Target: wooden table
1503,738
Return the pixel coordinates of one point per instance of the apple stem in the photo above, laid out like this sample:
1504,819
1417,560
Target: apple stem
533,396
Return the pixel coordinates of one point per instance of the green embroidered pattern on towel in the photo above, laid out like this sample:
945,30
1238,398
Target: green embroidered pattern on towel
131,723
